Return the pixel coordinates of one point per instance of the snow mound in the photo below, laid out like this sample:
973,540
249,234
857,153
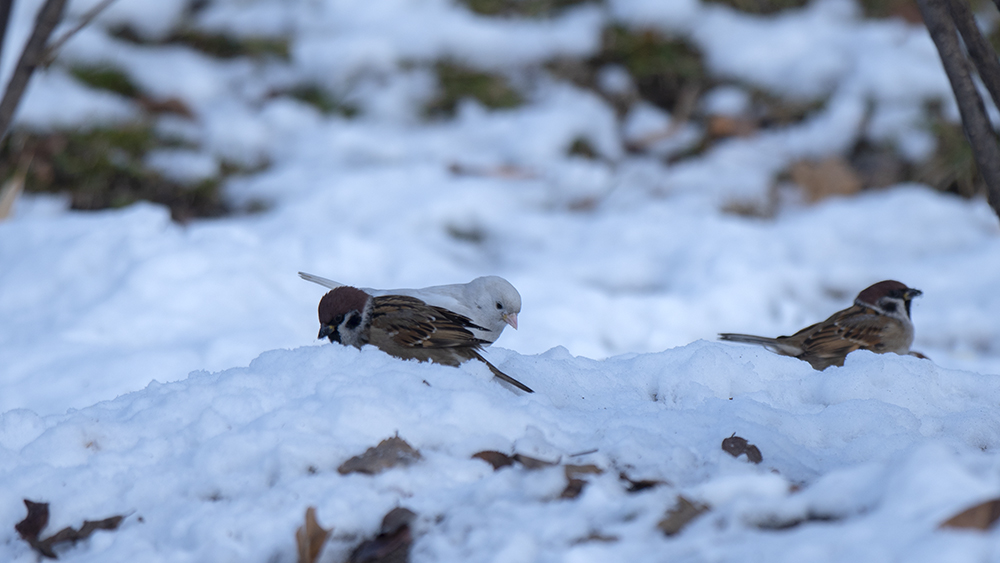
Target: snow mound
221,466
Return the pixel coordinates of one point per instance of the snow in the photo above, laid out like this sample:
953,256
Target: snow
170,373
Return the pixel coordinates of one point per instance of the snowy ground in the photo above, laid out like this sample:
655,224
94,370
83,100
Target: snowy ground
171,373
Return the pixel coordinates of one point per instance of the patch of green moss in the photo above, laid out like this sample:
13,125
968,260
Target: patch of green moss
582,147
952,168
662,67
521,8
106,77
458,82
219,45
226,46
761,6
322,100
773,111
906,9
104,168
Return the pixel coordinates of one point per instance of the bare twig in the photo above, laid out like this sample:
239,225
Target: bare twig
5,6
48,17
970,105
53,49
980,51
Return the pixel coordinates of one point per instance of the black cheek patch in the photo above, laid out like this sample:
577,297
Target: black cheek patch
353,321
889,307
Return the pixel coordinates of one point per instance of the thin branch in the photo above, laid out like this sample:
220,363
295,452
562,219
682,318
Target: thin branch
5,6
974,121
52,50
980,51
48,17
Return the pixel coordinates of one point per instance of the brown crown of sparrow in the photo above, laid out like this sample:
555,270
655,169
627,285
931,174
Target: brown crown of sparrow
878,321
404,327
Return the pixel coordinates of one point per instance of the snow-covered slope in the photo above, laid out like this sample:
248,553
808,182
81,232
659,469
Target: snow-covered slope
171,373
871,456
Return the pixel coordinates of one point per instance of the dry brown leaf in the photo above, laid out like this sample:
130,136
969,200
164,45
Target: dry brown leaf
831,176
10,191
36,520
496,459
736,446
720,126
978,517
574,484
310,538
531,462
680,515
387,454
38,517
392,544
577,470
596,537
573,488
634,486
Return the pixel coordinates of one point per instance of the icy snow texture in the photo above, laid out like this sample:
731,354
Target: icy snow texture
626,266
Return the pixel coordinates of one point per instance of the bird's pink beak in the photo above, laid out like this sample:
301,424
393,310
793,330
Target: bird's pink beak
511,319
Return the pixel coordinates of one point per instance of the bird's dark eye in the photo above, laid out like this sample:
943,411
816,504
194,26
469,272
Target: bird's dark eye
499,306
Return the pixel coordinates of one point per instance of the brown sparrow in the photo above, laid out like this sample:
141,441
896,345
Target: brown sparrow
878,321
404,327
490,302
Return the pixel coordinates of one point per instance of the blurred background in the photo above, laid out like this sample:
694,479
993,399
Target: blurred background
646,173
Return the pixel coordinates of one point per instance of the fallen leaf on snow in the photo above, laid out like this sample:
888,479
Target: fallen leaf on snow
392,544
532,462
978,517
496,459
576,470
36,520
38,517
310,538
634,486
829,177
596,537
680,515
387,454
736,446
573,488
721,126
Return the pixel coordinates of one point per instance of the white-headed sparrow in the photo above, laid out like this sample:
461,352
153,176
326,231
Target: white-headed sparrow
404,327
490,302
878,321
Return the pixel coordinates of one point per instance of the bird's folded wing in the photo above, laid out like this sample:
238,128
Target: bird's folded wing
414,323
856,329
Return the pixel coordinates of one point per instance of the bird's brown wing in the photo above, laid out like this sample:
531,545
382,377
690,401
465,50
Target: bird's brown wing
408,328
829,342
412,323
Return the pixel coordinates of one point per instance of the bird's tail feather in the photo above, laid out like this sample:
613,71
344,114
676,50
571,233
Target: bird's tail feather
776,345
320,280
748,339
503,376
